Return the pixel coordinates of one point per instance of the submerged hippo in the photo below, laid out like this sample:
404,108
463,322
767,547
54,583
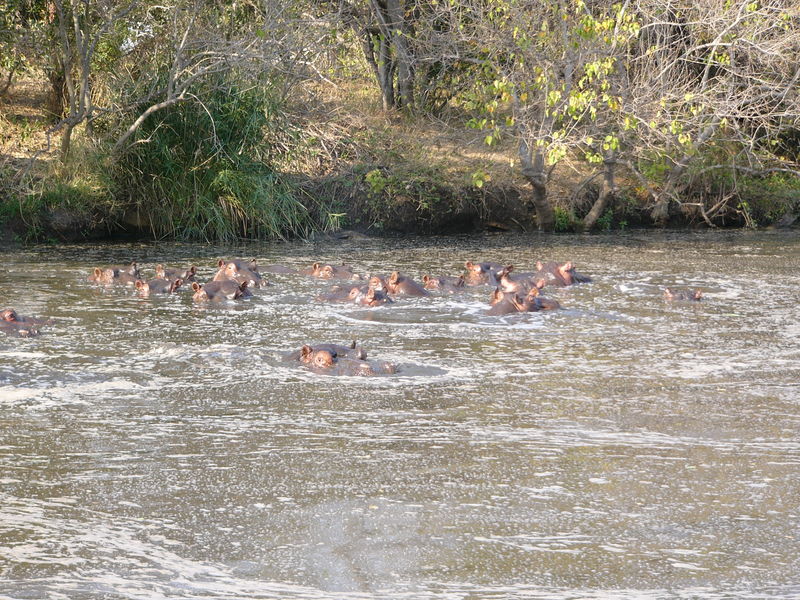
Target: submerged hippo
399,284
694,296
158,286
325,362
444,283
353,351
482,273
240,271
359,294
520,283
219,291
172,274
13,323
328,271
559,274
505,303
124,275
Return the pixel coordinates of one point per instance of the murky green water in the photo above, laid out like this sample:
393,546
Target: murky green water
623,447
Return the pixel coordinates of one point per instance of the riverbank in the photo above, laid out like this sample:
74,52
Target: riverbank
344,164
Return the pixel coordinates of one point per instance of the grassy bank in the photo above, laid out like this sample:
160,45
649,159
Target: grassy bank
250,163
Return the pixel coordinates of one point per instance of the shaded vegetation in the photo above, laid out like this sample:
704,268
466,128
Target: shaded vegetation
190,120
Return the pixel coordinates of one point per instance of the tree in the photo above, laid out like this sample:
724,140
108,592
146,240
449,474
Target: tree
716,85
554,64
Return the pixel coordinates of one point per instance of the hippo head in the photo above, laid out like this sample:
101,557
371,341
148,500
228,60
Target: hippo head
199,293
9,315
321,359
376,282
375,298
431,283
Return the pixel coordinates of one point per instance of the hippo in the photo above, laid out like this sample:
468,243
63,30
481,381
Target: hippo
338,293
158,286
240,263
367,296
359,294
444,283
482,273
236,270
377,282
324,361
219,291
543,303
559,274
13,323
520,283
398,284
694,296
352,351
125,275
326,271
505,303
172,274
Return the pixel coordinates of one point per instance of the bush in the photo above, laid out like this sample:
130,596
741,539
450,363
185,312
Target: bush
203,171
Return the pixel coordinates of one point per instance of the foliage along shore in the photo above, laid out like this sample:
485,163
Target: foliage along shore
216,122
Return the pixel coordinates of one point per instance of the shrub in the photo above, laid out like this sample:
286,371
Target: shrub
203,171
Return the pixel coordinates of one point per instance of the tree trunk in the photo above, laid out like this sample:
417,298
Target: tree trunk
405,68
386,69
533,169
9,78
55,97
606,194
382,66
66,139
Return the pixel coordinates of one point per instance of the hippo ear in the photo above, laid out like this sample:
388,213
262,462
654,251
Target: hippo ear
698,294
509,268
426,278
497,295
196,286
468,265
353,345
567,266
370,294
139,284
305,351
394,277
176,284
533,292
243,285
193,270
354,292
539,265
315,267
461,281
540,283
220,263
667,293
97,272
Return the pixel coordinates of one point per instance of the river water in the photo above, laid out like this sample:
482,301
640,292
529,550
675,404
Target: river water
623,447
